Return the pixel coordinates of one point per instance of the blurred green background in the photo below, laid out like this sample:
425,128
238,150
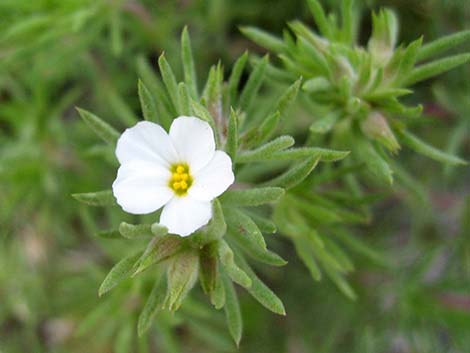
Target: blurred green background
56,55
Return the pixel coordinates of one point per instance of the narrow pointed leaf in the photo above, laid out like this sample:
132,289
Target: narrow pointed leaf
109,234
260,291
434,68
232,311
132,231
158,250
252,197
253,84
443,44
188,63
147,103
265,225
118,273
99,126
295,175
427,150
231,145
264,39
231,268
235,76
208,267
152,306
98,198
182,275
265,151
325,155
376,165
302,247
320,17
184,100
247,235
324,124
169,80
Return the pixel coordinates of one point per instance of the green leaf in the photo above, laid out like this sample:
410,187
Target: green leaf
325,155
158,230
123,340
119,106
227,259
265,151
99,126
427,150
247,235
188,63
295,175
366,153
152,306
235,76
98,198
341,283
320,18
231,145
317,84
201,112
434,68
265,225
218,294
131,231
354,243
264,39
116,33
216,228
269,125
118,273
409,57
252,197
347,17
443,44
147,103
169,80
232,311
212,94
182,275
325,124
253,84
260,291
184,99
302,247
208,267
109,234
163,105
93,317
159,249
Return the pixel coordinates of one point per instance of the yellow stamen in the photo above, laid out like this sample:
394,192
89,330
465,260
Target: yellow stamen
181,179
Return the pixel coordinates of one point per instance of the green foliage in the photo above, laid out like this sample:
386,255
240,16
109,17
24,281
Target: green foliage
356,83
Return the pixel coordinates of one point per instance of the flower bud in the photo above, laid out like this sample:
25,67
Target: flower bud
384,36
376,127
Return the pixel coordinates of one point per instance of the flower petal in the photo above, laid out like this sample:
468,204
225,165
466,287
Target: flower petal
213,179
193,139
142,187
146,141
184,215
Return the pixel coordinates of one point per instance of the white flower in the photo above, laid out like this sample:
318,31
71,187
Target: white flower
180,171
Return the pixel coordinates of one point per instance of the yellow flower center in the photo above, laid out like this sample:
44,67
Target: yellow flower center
180,180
